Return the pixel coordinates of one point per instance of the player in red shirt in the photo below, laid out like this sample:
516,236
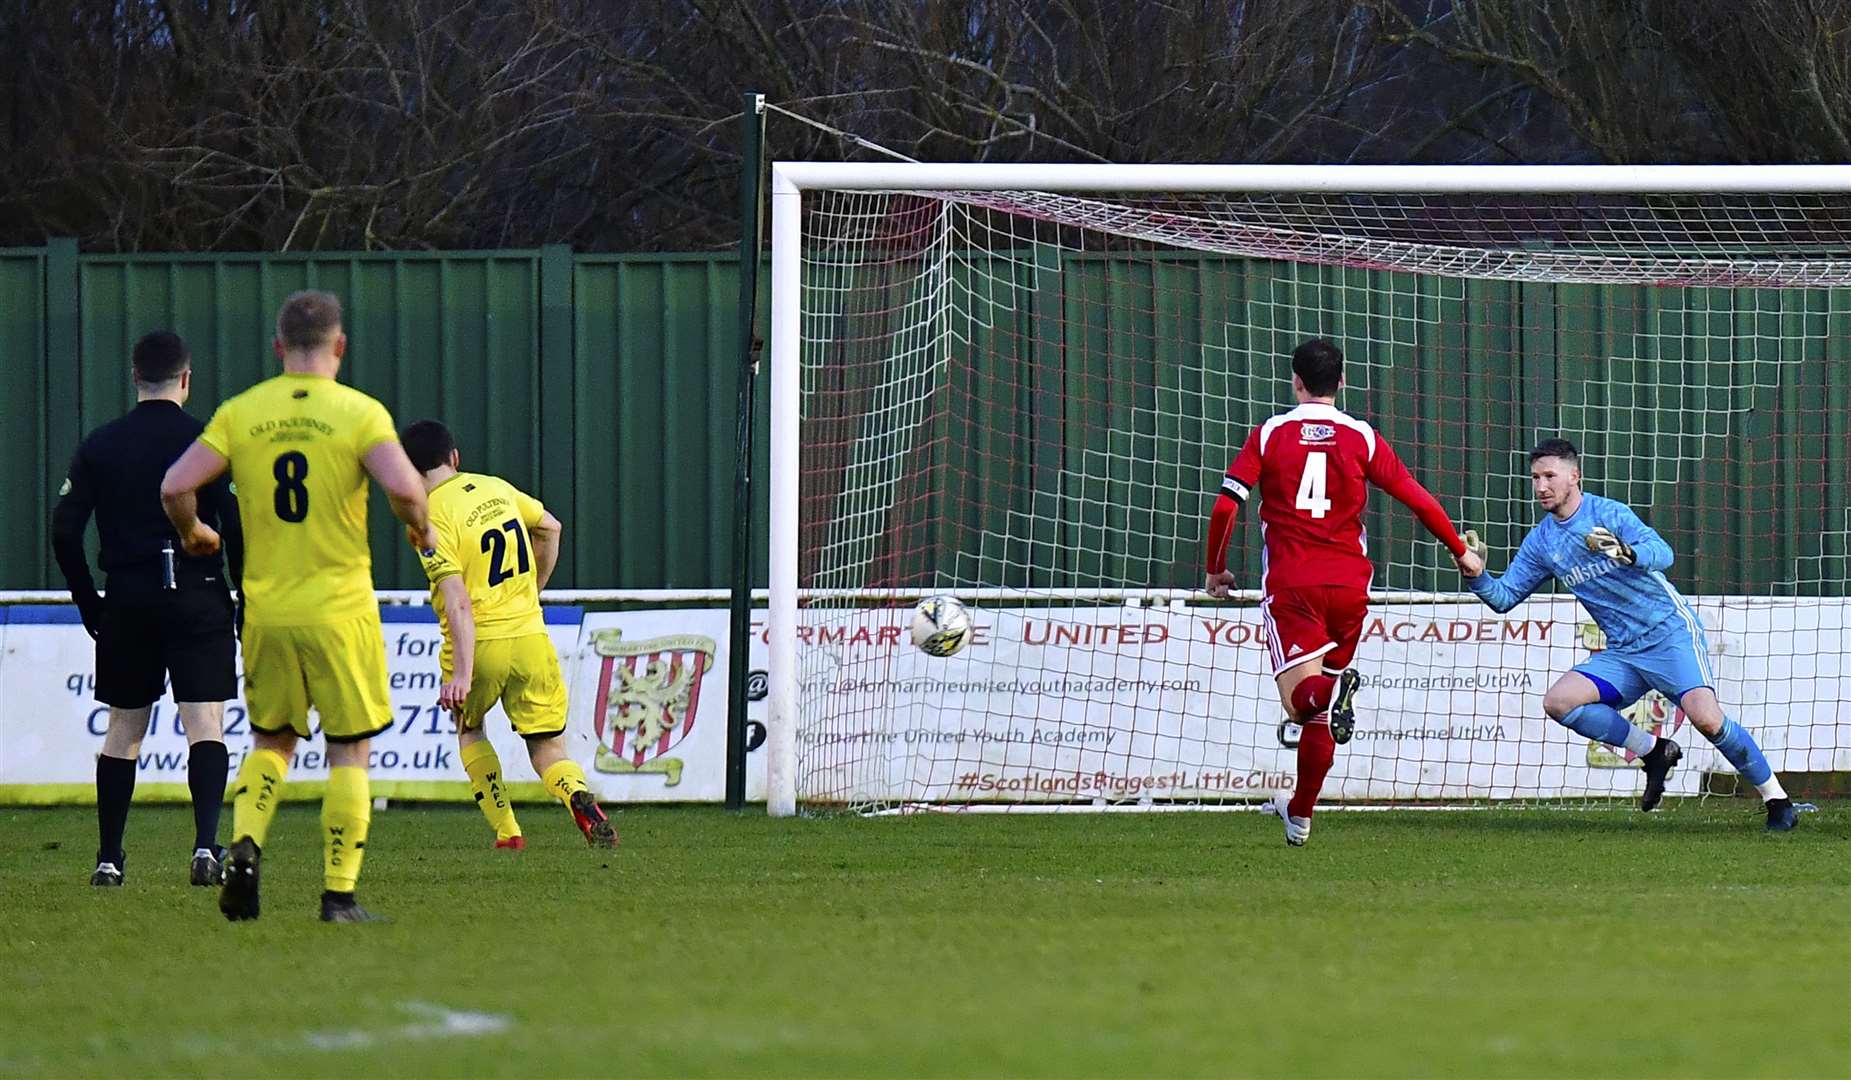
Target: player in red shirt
1310,465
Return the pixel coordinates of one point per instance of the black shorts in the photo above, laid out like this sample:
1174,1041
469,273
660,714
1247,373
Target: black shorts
145,636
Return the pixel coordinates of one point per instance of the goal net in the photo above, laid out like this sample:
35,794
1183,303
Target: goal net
1020,386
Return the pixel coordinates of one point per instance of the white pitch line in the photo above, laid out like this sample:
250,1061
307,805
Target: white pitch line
437,1022
426,1021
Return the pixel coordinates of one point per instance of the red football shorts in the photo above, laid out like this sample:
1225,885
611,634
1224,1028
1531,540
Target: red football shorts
1319,621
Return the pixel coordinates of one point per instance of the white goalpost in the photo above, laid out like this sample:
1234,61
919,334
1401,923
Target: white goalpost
1020,384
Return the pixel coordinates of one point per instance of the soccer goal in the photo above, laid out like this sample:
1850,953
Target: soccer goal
1019,385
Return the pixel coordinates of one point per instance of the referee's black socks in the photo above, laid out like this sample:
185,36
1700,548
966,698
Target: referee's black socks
206,768
115,786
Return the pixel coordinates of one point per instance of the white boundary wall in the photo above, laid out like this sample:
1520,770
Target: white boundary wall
1178,706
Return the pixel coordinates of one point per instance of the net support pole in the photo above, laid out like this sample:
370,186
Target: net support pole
751,240
781,618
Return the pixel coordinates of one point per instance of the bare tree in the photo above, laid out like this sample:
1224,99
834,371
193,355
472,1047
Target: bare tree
342,124
1660,80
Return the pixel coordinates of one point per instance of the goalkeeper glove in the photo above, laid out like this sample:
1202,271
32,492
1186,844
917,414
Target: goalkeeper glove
1471,561
1601,541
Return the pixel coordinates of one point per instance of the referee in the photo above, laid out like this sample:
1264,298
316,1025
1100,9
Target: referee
163,612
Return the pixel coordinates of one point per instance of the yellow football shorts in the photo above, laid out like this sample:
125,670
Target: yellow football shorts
339,669
523,674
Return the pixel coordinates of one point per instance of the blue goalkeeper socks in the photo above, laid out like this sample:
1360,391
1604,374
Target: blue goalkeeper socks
1603,723
1736,744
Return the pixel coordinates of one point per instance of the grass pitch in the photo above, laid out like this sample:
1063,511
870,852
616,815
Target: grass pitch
1501,943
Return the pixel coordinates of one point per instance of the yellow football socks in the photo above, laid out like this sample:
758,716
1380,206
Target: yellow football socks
346,810
259,789
564,779
484,769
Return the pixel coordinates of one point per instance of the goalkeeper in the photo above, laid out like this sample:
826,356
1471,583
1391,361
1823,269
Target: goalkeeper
1614,564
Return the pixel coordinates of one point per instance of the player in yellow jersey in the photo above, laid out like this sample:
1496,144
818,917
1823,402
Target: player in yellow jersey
300,447
496,548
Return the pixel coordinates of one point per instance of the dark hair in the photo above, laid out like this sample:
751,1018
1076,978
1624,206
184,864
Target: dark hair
428,443
1556,448
160,357
308,320
1319,365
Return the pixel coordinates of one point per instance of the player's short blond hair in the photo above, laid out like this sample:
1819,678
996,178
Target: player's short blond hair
308,320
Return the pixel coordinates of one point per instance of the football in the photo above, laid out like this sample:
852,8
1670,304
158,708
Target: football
941,625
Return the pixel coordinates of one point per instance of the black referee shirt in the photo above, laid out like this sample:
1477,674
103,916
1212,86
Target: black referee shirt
116,474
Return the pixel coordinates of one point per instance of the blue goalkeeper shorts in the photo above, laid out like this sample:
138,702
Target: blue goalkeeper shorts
1675,662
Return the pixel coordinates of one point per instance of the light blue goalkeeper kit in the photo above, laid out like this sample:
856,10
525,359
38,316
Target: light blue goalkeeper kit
1654,639
1634,605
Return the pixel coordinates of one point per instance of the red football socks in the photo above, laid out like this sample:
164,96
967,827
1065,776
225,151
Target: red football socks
1315,750
1312,696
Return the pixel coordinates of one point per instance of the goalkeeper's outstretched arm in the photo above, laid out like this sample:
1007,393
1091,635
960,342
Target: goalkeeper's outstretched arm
1526,572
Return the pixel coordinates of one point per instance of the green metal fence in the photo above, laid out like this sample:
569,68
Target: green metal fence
27,421
655,351
454,335
603,384
1095,400
1106,395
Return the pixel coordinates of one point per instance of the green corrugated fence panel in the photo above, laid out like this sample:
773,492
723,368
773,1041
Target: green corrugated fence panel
29,469
454,336
655,354
1168,364
1093,401
1163,365
1694,407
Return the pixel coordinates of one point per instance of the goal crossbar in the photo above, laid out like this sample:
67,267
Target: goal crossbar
791,177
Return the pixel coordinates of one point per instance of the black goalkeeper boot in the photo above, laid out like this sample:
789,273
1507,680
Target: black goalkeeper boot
1782,815
1657,765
